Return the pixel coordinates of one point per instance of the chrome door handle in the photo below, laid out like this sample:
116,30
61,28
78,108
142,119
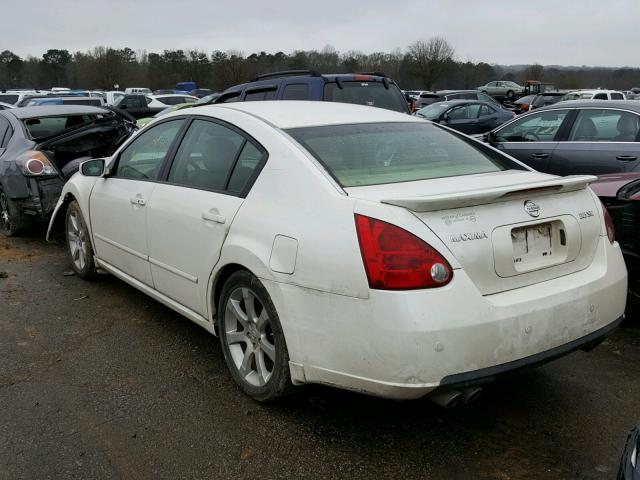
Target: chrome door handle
539,155
214,215
138,201
627,158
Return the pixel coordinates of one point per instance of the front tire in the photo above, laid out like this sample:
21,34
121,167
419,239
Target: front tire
252,340
510,95
79,246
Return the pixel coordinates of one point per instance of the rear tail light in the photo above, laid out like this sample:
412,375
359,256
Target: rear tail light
35,163
608,224
395,259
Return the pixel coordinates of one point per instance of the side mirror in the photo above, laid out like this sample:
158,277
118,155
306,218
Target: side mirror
444,118
489,137
93,167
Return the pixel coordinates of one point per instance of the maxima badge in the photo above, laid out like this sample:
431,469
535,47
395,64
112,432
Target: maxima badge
532,208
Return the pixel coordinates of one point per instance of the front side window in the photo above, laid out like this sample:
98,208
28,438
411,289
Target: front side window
143,157
600,96
459,113
604,125
206,156
485,111
379,153
616,96
537,127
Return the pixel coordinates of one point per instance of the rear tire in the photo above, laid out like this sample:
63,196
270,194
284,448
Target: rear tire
79,246
12,220
252,340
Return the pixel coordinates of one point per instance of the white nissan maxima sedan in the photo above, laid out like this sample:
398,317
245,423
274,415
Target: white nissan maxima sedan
349,246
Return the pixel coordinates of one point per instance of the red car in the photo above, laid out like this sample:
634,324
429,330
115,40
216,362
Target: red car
620,194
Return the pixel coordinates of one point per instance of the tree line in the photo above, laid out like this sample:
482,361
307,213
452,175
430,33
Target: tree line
425,65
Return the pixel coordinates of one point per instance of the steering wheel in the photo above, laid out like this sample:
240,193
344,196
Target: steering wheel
531,137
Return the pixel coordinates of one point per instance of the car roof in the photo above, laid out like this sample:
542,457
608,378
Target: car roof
294,113
461,101
54,110
448,92
632,105
594,91
169,95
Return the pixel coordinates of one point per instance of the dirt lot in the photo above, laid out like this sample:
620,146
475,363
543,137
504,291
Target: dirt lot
99,381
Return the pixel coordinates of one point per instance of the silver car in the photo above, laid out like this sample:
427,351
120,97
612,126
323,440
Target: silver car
502,89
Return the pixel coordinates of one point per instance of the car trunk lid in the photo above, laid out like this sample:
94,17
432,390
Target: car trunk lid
506,229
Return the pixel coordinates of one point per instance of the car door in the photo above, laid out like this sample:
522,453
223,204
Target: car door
491,88
487,119
532,138
118,203
189,215
601,140
458,118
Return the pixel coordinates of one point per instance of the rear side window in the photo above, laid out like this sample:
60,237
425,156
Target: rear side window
143,158
379,153
373,94
537,127
298,91
604,125
247,163
206,156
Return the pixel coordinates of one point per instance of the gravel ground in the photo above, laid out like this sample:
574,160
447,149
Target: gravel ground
99,381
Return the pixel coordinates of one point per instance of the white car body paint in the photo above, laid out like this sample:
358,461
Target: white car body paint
396,344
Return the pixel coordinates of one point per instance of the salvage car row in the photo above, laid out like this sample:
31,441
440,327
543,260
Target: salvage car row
331,243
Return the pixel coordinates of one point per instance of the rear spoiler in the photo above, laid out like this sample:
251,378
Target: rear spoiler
468,198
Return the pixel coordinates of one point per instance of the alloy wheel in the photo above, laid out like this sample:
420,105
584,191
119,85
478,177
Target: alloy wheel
77,239
250,338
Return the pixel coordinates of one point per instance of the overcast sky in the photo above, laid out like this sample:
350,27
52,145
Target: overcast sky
566,32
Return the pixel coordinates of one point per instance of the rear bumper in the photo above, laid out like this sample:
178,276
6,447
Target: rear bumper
43,196
499,372
405,345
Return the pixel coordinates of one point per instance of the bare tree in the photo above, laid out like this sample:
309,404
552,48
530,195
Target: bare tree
534,72
431,59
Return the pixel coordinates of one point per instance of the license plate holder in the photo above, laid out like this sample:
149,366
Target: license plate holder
532,243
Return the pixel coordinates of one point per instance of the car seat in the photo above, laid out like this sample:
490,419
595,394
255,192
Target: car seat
627,128
586,131
218,155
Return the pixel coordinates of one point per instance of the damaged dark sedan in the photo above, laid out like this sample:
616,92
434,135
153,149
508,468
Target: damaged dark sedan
41,147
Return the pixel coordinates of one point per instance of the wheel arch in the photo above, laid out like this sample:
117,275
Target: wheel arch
56,224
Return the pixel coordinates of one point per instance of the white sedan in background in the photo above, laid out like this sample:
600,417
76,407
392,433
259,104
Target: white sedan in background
169,99
349,246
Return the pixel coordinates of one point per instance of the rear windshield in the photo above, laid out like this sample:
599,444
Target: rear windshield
9,98
378,153
44,127
373,94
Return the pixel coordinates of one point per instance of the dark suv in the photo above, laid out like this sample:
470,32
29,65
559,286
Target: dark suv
373,89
